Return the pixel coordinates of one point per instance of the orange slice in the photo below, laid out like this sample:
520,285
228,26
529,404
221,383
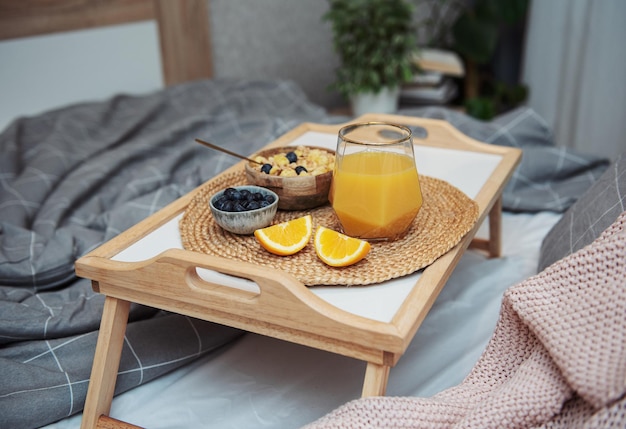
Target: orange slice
286,238
337,249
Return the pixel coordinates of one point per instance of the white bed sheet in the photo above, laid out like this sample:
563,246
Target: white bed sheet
260,382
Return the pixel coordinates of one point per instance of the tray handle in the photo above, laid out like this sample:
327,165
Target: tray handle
170,281
435,132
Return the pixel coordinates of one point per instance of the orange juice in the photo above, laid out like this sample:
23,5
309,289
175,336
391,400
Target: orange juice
375,193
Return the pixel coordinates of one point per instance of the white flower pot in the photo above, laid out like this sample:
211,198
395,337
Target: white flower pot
386,101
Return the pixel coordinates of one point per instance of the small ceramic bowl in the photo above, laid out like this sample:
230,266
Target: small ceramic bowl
294,193
245,222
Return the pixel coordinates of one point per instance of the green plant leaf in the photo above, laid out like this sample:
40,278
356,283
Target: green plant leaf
475,39
375,40
510,11
480,108
488,10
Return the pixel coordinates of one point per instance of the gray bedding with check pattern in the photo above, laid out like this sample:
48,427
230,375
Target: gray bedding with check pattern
72,178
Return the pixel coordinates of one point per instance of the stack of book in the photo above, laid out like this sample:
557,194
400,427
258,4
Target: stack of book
436,83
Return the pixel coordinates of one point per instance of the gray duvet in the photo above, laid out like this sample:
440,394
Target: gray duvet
72,178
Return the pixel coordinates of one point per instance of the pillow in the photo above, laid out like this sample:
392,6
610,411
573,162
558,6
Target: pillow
592,213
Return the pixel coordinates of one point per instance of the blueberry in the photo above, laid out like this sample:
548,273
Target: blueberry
235,200
301,169
232,194
219,203
245,195
253,205
292,157
266,168
238,207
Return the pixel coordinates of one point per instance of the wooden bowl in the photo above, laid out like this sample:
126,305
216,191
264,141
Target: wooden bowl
294,193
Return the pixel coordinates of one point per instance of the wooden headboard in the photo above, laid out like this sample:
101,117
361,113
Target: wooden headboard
184,35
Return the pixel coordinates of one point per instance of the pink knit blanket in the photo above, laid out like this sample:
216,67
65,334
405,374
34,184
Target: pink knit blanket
557,358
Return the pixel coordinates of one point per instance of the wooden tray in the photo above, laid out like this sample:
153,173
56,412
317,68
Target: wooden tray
283,307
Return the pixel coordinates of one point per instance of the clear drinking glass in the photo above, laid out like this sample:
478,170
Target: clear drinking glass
375,190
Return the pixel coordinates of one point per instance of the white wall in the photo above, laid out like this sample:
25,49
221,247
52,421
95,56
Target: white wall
45,72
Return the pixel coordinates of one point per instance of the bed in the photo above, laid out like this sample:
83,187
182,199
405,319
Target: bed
76,176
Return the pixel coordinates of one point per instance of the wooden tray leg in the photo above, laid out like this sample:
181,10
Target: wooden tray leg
376,377
493,246
106,361
495,229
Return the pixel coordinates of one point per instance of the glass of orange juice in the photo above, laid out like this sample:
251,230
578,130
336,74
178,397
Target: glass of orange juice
375,190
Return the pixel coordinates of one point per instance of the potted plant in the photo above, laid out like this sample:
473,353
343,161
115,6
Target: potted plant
477,30
375,40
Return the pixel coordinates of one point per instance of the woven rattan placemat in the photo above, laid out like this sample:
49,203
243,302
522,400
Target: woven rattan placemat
446,216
